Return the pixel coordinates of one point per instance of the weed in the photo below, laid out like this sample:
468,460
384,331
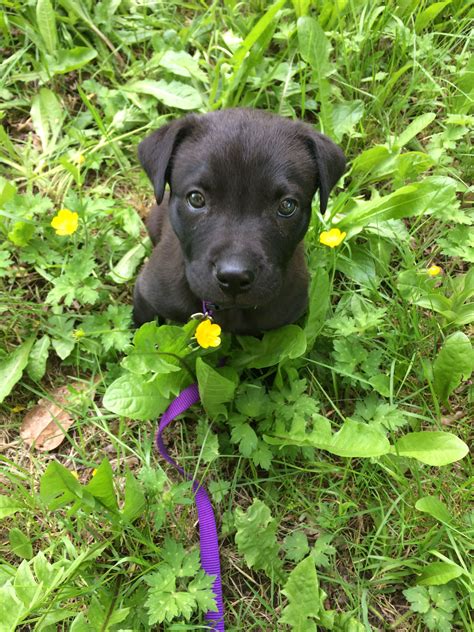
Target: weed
332,448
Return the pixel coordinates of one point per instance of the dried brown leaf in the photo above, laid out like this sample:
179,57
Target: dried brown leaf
45,426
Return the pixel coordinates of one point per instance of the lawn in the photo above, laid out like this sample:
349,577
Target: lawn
335,449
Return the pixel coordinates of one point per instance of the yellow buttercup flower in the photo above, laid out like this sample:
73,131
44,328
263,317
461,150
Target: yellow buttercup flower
75,474
434,271
332,238
208,334
65,222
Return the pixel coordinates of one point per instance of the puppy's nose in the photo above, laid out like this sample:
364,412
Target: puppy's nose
234,275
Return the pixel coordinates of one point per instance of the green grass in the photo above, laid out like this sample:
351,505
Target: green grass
387,346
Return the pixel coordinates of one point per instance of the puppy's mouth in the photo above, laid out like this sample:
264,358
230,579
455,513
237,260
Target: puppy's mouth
225,304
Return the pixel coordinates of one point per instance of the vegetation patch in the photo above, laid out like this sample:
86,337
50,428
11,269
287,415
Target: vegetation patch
334,449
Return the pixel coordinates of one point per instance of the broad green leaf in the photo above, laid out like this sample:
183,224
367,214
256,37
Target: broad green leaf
251,400
36,367
58,486
72,59
464,315
47,115
296,546
183,563
378,160
458,242
44,571
8,506
434,507
124,270
21,233
419,598
182,64
304,598
425,17
412,163
11,367
274,347
345,116
256,537
357,439
314,49
454,362
11,608
434,301
27,589
444,596
216,387
319,298
245,436
157,349
174,94
414,128
135,502
418,287
101,486
322,549
46,21
20,544
200,588
354,439
359,266
166,602
381,383
439,573
135,396
426,196
433,448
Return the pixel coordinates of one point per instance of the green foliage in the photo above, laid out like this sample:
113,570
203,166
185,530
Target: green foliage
305,609
438,574
255,538
452,298
436,605
304,597
454,362
315,424
11,367
434,507
59,487
168,601
26,591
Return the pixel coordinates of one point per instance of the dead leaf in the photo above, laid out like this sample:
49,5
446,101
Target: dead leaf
44,427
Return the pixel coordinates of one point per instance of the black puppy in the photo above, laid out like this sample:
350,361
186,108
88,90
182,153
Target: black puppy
230,232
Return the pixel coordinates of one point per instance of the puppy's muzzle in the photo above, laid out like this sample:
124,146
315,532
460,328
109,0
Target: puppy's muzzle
234,275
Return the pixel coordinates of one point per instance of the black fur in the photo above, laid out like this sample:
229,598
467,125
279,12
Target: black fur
236,252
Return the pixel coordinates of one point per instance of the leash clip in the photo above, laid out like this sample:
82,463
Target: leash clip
201,316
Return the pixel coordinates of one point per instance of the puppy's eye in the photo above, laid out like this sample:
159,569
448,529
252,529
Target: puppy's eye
196,200
287,207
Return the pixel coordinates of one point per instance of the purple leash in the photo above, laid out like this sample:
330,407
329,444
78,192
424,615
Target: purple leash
207,523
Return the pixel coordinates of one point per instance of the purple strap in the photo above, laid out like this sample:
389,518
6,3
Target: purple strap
207,523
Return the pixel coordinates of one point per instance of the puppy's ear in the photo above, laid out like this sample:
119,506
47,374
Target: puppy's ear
331,164
155,153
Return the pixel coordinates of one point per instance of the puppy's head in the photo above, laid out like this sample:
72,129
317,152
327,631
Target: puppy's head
241,185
